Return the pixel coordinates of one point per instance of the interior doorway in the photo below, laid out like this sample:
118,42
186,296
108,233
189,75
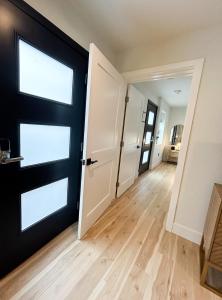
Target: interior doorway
161,121
193,71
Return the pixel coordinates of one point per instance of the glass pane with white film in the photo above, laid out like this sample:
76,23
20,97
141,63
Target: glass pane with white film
43,143
43,76
148,137
145,157
39,203
150,118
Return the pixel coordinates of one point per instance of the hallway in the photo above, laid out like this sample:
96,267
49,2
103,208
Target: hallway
126,255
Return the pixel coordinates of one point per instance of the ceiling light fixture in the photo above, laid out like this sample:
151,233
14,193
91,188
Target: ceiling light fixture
177,92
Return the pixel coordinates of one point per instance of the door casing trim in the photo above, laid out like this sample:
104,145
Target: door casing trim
192,68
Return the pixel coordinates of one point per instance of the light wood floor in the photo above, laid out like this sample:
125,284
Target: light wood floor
126,255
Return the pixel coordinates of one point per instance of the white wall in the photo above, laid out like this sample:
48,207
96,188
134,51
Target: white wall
148,94
177,117
204,159
66,16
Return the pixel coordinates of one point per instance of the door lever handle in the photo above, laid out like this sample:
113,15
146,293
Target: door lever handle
5,153
88,162
5,160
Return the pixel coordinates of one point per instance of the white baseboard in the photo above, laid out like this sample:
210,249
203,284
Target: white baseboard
187,233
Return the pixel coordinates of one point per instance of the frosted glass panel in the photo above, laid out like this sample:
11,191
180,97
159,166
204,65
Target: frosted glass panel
42,202
43,143
145,157
148,137
41,75
151,118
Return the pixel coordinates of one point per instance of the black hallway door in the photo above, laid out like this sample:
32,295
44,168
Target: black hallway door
148,137
42,94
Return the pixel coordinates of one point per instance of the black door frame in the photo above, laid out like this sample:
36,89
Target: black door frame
12,185
145,167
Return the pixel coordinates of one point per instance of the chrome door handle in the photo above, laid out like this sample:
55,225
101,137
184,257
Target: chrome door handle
5,153
5,160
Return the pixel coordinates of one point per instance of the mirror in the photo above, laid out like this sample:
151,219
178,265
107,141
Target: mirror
176,134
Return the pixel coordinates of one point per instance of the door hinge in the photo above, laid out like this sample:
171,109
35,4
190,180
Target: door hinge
122,144
117,184
127,99
86,78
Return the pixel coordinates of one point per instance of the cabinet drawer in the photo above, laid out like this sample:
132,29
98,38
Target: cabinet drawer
173,154
216,255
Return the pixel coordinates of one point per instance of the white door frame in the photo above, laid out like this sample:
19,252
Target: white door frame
192,68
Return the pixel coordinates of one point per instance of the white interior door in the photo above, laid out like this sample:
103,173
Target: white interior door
106,92
132,138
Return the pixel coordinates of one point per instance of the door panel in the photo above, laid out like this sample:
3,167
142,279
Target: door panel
105,103
42,117
148,137
132,138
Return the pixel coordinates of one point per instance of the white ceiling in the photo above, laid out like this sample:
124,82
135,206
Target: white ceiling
165,89
126,24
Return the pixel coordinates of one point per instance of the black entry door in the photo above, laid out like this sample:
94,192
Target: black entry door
148,137
42,96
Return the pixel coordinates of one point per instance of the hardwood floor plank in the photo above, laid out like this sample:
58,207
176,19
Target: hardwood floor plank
38,262
162,285
139,278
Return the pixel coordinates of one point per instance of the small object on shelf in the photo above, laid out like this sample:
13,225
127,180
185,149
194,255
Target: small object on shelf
211,245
